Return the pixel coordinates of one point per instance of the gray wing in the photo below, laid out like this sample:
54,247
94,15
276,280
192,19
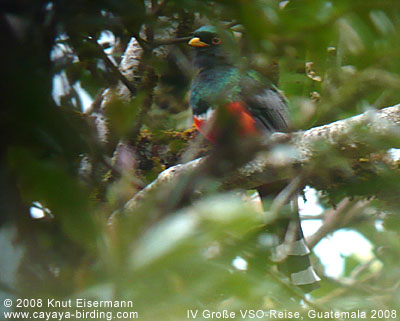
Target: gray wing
269,109
266,104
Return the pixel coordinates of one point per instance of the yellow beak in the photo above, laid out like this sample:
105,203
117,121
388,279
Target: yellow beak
196,42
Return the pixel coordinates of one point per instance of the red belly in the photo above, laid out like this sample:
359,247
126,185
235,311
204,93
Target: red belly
239,111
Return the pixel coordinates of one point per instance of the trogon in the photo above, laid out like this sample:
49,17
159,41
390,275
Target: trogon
259,109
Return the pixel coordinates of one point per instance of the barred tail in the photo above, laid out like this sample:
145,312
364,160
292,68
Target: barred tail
292,257
292,253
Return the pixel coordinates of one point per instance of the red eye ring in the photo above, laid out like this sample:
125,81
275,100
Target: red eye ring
216,41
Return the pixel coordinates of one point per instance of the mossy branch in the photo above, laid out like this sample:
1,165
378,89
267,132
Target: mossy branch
343,136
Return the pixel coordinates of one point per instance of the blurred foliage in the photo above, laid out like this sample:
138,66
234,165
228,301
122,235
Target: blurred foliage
336,59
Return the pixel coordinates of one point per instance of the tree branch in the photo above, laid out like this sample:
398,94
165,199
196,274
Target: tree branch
334,219
266,166
156,9
172,41
113,67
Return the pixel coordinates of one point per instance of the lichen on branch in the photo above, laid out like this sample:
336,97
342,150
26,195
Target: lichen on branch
305,151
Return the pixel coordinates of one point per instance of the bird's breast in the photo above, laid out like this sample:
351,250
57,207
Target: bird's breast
245,123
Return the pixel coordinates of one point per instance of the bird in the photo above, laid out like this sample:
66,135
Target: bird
258,109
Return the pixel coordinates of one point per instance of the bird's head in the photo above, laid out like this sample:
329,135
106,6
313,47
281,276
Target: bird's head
209,49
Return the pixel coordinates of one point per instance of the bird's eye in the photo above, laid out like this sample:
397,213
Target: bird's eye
216,41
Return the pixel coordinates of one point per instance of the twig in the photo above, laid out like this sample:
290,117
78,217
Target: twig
312,217
361,268
157,8
231,24
113,67
284,197
96,104
336,218
342,289
173,41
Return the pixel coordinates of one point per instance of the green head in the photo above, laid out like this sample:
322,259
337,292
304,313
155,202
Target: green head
209,49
